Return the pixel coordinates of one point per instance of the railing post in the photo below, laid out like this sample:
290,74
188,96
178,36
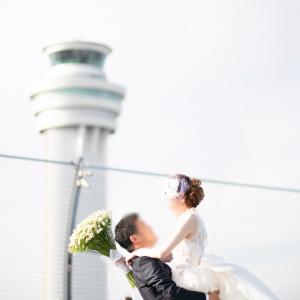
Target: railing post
72,219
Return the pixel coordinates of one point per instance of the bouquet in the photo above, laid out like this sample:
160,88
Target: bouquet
94,235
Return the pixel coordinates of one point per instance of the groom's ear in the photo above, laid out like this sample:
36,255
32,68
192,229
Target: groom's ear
134,240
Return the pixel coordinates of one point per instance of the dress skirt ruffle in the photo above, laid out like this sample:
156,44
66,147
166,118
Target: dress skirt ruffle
234,282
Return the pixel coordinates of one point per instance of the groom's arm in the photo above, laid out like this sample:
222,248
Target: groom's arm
154,275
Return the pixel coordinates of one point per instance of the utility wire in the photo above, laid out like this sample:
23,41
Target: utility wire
155,174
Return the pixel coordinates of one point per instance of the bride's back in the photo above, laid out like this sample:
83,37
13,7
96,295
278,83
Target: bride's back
189,251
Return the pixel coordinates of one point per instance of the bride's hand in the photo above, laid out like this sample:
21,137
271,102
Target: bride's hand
214,295
129,259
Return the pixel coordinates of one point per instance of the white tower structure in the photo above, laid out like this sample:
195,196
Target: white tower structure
76,109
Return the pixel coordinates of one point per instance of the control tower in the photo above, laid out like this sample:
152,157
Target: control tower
76,110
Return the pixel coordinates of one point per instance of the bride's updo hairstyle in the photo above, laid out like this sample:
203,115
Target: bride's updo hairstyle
194,194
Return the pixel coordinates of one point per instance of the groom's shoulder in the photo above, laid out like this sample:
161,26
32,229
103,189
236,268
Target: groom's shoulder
145,259
139,262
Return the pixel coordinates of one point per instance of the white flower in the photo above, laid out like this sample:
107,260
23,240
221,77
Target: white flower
87,229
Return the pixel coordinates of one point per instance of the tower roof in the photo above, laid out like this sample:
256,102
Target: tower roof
72,45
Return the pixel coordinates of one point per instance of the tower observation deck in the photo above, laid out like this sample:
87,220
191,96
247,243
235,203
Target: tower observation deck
76,92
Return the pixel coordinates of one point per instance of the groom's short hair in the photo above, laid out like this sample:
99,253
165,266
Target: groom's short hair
124,229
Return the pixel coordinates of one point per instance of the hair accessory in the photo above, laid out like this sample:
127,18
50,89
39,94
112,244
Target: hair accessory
174,187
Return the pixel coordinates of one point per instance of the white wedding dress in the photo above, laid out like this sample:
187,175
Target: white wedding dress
207,273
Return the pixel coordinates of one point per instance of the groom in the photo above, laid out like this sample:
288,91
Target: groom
152,276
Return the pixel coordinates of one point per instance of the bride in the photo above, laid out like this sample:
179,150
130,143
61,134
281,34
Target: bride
194,270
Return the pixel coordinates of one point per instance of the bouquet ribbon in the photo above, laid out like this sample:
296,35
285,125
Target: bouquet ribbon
113,262
113,258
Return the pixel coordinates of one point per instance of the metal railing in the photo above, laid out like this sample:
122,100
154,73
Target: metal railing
158,174
241,218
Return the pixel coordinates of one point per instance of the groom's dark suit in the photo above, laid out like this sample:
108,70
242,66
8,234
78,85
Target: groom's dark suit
154,281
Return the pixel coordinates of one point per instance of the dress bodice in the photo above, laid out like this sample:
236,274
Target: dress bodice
189,251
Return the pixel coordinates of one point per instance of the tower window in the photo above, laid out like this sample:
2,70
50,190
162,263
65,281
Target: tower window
78,57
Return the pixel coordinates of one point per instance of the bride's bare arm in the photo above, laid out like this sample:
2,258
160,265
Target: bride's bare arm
188,226
167,258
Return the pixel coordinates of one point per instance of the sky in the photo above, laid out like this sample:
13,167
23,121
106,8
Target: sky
212,86
212,89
